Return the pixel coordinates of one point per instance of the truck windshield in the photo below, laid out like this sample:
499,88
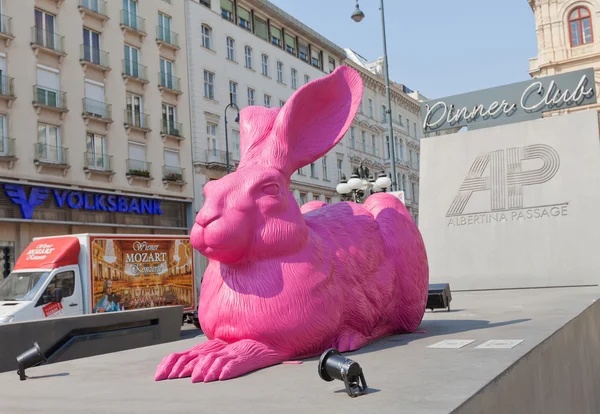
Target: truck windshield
22,286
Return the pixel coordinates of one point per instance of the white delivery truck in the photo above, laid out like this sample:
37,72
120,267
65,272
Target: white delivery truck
94,273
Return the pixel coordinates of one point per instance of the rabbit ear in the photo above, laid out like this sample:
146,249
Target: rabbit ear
256,123
314,120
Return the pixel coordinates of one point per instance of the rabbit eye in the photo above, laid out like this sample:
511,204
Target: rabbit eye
271,189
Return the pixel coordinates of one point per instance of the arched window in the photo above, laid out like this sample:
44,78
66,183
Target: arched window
206,36
580,26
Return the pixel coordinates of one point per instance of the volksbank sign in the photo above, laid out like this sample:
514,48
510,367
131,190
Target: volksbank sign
79,200
516,102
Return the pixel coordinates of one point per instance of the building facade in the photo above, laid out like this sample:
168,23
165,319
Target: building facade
94,119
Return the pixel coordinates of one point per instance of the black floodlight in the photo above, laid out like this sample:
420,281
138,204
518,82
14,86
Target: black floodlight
30,358
439,296
332,365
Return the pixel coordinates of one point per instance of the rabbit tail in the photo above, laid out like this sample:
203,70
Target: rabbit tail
405,249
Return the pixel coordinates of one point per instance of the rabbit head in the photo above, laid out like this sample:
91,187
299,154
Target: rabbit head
251,213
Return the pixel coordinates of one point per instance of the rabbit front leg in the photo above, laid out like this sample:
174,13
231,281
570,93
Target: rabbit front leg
237,358
176,364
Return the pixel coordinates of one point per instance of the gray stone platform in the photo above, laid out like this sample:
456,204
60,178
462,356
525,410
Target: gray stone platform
404,375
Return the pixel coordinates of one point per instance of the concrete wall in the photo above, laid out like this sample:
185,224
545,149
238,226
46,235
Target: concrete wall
92,334
532,224
559,376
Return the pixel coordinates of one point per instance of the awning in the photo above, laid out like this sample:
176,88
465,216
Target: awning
49,253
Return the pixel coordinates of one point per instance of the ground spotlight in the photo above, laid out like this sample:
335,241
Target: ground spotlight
439,296
30,358
332,365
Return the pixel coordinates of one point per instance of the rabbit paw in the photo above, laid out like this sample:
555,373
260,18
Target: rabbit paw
232,361
174,365
351,341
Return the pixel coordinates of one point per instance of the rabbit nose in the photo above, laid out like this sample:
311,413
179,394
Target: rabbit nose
204,219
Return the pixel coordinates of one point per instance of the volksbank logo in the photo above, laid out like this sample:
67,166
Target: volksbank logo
506,181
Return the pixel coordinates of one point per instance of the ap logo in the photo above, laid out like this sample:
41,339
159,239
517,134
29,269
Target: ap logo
507,177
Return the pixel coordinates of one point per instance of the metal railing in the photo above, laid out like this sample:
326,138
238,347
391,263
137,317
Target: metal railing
49,97
135,69
137,119
214,156
97,6
7,147
6,25
173,173
93,55
167,36
133,21
169,81
47,39
97,108
51,154
174,129
95,161
6,86
139,168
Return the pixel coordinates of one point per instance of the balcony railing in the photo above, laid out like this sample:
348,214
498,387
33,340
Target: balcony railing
134,69
173,173
97,108
139,168
49,97
6,86
47,39
99,162
51,154
169,81
7,147
174,129
133,21
137,119
165,35
97,6
95,56
214,156
6,25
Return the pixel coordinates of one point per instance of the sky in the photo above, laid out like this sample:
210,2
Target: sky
438,47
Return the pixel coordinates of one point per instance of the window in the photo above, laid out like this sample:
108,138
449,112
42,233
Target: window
132,56
294,79
340,168
279,72
134,110
248,56
91,46
324,166
44,29
169,120
580,24
94,98
64,281
137,156
374,144
95,156
230,49
236,144
211,138
301,170
281,103
302,198
4,149
352,137
331,64
363,139
387,147
251,93
276,36
290,44
244,18
371,108
206,36
172,162
164,28
360,108
316,197
328,200
316,59
265,65
233,92
166,74
400,119
209,85
408,127
49,144
130,13
227,9
399,148
260,28
383,113
415,194
48,87
313,170
306,79
303,49
267,100
415,129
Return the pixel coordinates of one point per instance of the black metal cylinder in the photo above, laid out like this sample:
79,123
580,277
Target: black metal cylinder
332,365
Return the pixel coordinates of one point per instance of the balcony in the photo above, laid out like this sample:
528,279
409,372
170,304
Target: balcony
217,159
49,99
137,121
6,32
48,42
51,156
7,151
95,58
99,164
173,175
131,22
7,92
167,39
133,71
94,8
97,111
169,83
139,170
173,130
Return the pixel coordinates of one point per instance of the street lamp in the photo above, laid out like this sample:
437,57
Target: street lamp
357,16
237,119
360,181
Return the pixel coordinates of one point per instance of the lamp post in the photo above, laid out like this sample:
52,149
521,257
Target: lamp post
357,16
360,181
237,119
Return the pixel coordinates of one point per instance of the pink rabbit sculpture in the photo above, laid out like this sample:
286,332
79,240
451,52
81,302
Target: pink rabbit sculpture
286,283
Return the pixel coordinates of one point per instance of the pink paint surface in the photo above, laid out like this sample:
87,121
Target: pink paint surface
285,283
